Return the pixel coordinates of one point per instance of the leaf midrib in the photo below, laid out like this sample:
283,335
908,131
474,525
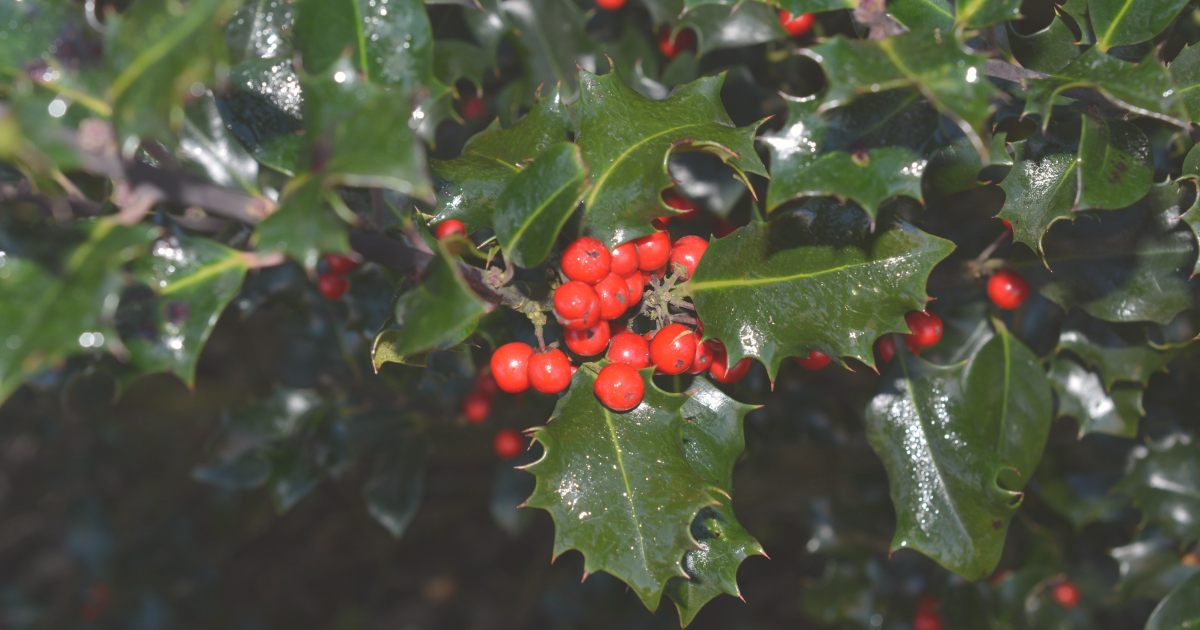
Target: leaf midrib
529,220
1112,26
591,200
693,287
628,489
206,272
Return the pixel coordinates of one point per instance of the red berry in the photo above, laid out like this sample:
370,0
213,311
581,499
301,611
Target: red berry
927,620
910,342
1007,225
927,604
925,326
673,349
703,360
720,369
614,296
887,348
636,283
477,406
653,251
448,228
630,349
486,384
588,342
576,305
619,387
508,443
725,228
473,108
1066,594
687,252
798,25
332,286
684,40
815,360
550,371
624,259
586,260
341,265
650,336
1008,289
677,201
610,5
510,366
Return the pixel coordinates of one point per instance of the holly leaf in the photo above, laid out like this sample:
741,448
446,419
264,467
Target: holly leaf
796,7
924,15
1150,569
46,316
263,111
1185,69
1115,169
1120,352
1082,395
618,485
1144,88
1125,22
1164,481
536,203
304,227
1131,266
552,39
190,281
208,143
766,289
454,59
713,439
981,13
393,493
468,186
812,154
949,436
391,43
951,80
261,29
629,160
1047,50
732,26
1179,609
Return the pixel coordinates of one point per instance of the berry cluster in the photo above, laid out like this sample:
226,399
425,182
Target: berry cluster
477,406
926,330
333,283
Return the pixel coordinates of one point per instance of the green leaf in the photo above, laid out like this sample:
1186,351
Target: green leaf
435,313
724,26
844,593
948,437
468,186
1115,168
796,7
952,80
208,143
1078,507
810,155
1131,266
30,29
1144,88
713,439
536,203
629,160
393,493
263,112
454,59
46,316
619,486
1150,569
392,42
1164,481
1083,396
552,39
304,227
771,290
924,15
1185,69
981,13
1046,51
1180,609
1125,22
261,29
192,280
158,51
1120,352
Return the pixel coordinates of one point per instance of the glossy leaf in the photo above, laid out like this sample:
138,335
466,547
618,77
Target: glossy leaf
1150,568
1082,395
1179,609
467,186
944,466
1047,50
981,13
455,59
619,486
732,26
1185,69
536,203
207,142
554,42
952,80
629,160
1145,88
263,111
1125,22
1115,169
392,42
1164,481
46,316
1064,495
393,493
815,279
1120,352
1191,172
261,29
924,15
713,439
304,227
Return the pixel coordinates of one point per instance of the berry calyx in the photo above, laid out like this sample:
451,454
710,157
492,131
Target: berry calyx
673,349
549,371
653,251
576,305
671,47
703,359
619,387
815,361
610,5
720,369
624,259
1008,289
586,260
687,252
332,286
588,342
341,265
1066,593
510,366
508,443
796,26
477,406
927,620
925,326
448,228
629,349
614,296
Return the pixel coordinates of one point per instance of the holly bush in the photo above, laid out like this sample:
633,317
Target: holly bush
271,246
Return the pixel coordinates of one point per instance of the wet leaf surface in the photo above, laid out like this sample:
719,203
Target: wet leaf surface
1164,481
536,203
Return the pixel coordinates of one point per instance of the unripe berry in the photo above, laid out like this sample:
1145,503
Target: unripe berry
576,305
653,251
619,387
448,228
586,260
925,326
798,25
510,366
477,406
687,252
332,286
1066,594
341,265
673,349
1008,289
684,40
630,349
588,342
508,443
815,361
614,296
549,371
624,259
720,369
